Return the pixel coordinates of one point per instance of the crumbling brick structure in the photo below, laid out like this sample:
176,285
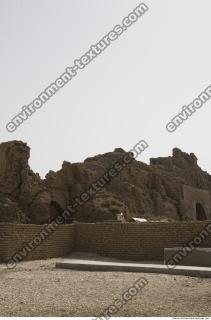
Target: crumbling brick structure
172,187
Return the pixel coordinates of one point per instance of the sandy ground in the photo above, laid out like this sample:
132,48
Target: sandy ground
38,289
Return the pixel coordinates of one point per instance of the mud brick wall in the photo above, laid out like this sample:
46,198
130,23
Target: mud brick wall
13,238
129,241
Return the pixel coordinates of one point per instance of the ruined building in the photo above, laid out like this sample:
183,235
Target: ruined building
171,187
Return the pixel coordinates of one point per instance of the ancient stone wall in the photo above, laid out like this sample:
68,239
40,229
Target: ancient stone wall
192,196
138,190
145,241
13,237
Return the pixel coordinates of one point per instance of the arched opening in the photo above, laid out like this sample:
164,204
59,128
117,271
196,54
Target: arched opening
55,210
200,212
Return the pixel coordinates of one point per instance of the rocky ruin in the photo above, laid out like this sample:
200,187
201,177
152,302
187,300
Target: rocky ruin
171,188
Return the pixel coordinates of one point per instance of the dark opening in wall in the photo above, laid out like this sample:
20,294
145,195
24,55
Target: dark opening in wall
200,212
55,210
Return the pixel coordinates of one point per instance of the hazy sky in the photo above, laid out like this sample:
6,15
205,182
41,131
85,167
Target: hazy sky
127,93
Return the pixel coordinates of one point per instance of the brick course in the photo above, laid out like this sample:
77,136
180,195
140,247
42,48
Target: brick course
129,241
145,241
14,236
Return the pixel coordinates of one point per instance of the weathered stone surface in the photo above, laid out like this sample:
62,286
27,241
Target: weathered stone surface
141,190
19,183
11,213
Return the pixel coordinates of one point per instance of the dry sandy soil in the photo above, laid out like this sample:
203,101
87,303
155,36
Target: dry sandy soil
38,289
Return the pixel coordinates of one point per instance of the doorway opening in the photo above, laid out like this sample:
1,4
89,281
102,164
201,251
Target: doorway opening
200,212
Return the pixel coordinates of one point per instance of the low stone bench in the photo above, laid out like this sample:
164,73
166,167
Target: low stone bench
182,256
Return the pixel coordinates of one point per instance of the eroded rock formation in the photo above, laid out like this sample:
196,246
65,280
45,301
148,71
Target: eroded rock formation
140,190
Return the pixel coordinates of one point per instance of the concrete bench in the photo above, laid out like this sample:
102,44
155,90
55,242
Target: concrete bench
182,256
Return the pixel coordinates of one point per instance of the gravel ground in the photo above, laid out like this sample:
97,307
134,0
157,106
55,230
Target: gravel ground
36,288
